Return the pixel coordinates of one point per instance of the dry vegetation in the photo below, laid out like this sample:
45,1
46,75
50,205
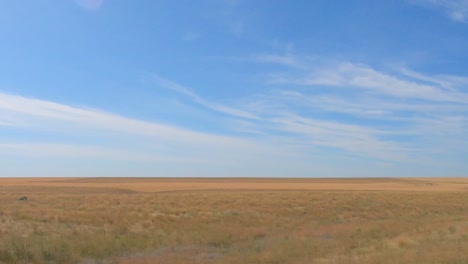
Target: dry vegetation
234,221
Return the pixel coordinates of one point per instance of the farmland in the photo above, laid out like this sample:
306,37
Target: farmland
233,220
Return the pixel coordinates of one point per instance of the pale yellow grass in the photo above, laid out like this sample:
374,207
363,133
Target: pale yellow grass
162,220
174,184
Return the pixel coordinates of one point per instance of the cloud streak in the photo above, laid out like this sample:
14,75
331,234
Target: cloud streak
34,112
349,75
279,118
165,83
108,136
457,10
392,115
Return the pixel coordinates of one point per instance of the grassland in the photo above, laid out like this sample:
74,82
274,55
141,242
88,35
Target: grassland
157,220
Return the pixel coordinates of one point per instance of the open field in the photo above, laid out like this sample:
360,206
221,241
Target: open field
193,220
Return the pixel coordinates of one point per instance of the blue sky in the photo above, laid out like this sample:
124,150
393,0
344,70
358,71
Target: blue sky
234,88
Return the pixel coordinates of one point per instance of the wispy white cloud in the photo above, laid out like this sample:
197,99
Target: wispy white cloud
384,114
404,99
353,138
326,112
90,4
349,75
457,10
35,112
277,115
370,107
444,81
108,136
165,83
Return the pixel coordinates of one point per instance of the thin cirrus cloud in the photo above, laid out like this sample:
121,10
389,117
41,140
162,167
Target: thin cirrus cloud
282,133
457,10
278,119
389,107
176,87
23,111
347,74
108,136
368,83
401,117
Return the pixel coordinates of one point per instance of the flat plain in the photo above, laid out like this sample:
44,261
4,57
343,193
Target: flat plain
233,220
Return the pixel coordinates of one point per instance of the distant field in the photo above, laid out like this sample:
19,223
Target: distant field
177,184
240,220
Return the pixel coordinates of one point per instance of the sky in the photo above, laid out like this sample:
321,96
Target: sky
219,88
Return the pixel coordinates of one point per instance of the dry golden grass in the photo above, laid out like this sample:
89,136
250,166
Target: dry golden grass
147,220
321,184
